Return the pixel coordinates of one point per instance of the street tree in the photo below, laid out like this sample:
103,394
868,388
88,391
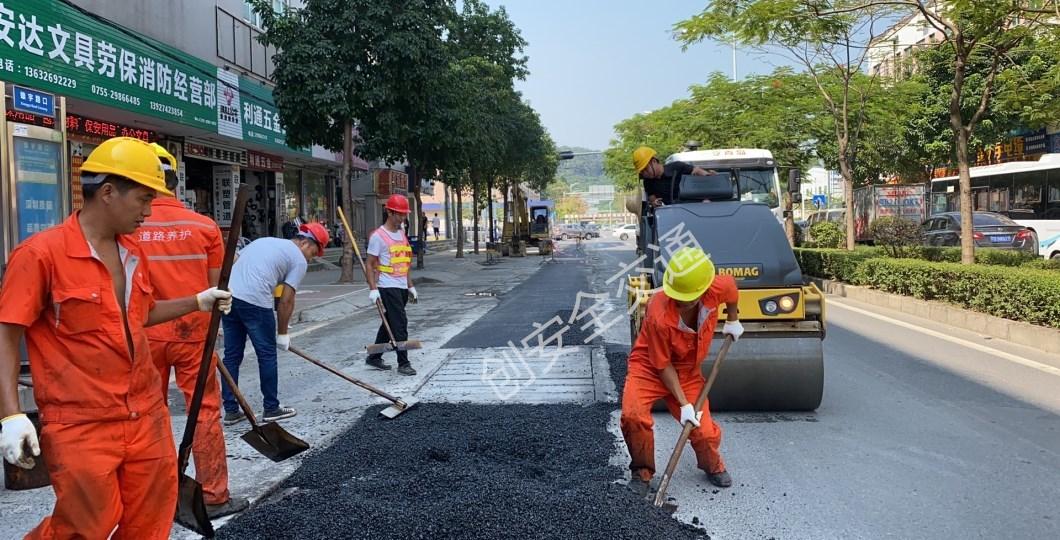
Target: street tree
832,46
347,63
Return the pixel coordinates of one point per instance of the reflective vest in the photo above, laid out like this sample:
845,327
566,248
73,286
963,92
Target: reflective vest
400,254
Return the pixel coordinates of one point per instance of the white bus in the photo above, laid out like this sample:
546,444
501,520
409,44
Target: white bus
1028,192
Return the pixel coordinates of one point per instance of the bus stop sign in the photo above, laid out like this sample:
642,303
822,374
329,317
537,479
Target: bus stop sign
820,201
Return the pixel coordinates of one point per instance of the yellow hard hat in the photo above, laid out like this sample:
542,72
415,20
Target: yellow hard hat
642,157
688,274
168,161
129,158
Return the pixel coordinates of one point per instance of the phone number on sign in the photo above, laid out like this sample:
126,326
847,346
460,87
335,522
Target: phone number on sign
48,76
115,95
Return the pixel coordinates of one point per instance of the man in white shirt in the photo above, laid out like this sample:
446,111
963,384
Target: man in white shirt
389,261
436,223
263,265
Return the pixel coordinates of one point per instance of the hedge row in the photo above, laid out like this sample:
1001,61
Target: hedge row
1023,294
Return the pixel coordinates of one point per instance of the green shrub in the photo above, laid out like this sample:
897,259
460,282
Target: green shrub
899,236
827,235
838,264
1022,294
1042,264
991,256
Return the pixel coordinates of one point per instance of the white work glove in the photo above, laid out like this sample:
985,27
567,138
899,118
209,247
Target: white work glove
373,295
734,329
415,295
689,414
206,299
283,341
17,430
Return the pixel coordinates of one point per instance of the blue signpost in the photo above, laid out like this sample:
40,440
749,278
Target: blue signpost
820,201
33,101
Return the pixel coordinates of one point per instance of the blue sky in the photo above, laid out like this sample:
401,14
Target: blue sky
596,62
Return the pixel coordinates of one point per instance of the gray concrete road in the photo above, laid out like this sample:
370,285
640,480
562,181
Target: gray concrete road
925,432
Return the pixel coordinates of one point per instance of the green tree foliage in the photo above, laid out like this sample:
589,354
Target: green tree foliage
827,234
899,236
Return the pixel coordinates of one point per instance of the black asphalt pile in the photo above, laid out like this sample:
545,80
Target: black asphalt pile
618,360
463,472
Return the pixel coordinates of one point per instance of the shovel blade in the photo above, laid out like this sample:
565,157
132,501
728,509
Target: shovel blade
380,348
274,442
191,508
398,408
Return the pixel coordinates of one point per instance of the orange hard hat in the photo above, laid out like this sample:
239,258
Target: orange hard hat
317,233
398,203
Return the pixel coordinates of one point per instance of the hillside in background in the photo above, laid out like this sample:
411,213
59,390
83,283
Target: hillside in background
583,170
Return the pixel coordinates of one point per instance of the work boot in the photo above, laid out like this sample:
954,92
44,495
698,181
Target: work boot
640,483
278,414
234,417
406,369
377,363
233,505
720,479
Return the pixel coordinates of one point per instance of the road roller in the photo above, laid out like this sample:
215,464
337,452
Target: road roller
734,213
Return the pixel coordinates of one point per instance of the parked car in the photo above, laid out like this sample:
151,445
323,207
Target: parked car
625,232
566,231
591,230
835,215
1052,251
989,230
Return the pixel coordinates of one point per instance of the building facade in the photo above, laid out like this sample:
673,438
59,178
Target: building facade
188,74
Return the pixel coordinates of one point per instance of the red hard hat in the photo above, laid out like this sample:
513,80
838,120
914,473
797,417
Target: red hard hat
318,233
398,203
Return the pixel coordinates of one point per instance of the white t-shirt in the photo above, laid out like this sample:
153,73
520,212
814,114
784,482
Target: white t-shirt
377,247
436,222
264,264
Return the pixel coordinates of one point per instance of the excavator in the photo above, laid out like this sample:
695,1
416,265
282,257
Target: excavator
735,214
530,225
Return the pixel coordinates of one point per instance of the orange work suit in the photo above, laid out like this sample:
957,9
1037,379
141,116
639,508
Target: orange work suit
106,435
664,340
182,247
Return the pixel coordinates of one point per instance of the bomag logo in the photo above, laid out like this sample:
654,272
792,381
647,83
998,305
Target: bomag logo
747,271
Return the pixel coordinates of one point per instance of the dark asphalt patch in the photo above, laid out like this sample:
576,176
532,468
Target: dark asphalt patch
618,360
463,472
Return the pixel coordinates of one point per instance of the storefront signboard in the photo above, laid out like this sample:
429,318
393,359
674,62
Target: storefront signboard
225,185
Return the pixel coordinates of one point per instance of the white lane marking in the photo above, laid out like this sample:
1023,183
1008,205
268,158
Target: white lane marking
1046,368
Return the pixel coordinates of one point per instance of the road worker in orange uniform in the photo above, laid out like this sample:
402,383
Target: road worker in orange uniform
665,363
81,294
186,250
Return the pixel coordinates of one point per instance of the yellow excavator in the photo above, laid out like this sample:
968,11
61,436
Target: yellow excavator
734,213
530,225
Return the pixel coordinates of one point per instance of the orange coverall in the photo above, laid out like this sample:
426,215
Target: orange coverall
182,247
106,435
664,340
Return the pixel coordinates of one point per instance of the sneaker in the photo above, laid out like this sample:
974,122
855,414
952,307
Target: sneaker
278,414
377,363
720,479
233,505
234,417
406,369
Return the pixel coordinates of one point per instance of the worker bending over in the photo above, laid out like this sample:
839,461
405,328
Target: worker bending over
389,260
661,182
81,293
262,266
186,252
665,363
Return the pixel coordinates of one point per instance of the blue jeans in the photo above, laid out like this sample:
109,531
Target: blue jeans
258,323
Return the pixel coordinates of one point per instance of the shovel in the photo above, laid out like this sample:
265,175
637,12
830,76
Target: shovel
378,348
269,439
191,507
664,483
399,405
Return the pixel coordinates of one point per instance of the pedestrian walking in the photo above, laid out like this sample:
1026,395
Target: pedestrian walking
389,280
665,363
263,265
436,224
81,294
185,250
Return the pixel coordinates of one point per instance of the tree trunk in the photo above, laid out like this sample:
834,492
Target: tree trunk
474,212
422,229
789,221
967,230
848,203
489,201
459,223
448,214
347,201
505,212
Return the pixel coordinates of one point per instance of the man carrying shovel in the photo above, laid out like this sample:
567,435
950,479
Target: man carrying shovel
81,294
665,363
186,250
389,260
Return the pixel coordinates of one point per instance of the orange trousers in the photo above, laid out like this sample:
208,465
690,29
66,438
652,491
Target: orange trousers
211,469
643,388
118,476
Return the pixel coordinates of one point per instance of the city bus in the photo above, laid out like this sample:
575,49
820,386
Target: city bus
1028,192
